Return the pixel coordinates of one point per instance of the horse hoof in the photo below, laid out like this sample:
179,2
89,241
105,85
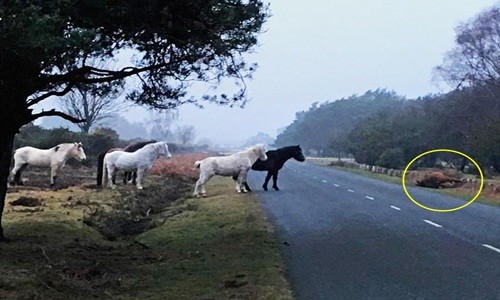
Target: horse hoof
276,188
265,189
204,195
244,191
140,188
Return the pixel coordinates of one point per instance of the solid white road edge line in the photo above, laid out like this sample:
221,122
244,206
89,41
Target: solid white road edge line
432,223
491,248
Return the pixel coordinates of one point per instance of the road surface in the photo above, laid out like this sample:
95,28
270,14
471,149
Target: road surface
346,236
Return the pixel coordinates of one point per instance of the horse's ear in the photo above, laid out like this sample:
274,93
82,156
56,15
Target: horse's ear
56,148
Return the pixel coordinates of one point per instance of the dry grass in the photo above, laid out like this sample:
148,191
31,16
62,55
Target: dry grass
179,164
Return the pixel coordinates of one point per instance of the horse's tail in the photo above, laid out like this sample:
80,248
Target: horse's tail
104,170
197,164
100,169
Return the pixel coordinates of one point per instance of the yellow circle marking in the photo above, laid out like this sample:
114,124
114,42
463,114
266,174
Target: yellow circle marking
450,209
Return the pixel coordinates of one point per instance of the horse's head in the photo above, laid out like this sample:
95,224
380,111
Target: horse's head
260,151
297,153
77,151
163,150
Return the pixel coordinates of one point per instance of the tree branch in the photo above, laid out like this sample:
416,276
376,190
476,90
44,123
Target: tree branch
56,113
63,92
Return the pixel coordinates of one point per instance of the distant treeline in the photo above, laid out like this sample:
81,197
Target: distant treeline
385,129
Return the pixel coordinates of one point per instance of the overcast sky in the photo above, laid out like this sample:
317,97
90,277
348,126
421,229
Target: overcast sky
320,50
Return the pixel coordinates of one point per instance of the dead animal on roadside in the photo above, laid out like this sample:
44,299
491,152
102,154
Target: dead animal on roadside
438,180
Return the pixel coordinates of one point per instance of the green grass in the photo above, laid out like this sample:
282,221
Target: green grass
458,193
219,247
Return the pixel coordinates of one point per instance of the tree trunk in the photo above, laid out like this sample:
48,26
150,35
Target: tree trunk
14,113
6,143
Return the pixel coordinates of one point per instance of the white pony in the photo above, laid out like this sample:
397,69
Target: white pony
237,164
141,161
54,157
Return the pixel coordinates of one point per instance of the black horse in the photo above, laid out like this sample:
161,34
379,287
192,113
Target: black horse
275,161
128,175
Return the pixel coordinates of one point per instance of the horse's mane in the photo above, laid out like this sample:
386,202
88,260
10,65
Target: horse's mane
136,146
62,147
290,148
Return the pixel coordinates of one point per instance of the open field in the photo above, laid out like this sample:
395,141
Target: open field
490,194
82,242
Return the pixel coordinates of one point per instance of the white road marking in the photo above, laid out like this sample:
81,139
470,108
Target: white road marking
324,181
395,207
491,248
336,185
350,191
432,223
368,197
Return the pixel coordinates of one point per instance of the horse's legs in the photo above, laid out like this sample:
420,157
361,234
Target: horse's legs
266,181
54,169
201,184
275,181
125,177
235,178
247,187
134,177
111,176
140,176
242,177
16,173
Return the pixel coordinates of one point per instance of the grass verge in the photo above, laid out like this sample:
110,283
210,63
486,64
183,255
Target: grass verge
217,247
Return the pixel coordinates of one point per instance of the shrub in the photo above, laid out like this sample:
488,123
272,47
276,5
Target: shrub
391,158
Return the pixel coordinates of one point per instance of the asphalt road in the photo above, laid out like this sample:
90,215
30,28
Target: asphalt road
346,236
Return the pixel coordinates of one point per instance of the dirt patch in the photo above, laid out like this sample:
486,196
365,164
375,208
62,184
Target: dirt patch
131,213
27,201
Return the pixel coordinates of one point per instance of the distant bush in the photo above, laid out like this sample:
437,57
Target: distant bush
391,158
94,143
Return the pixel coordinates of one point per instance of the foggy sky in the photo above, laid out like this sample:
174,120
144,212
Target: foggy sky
321,50
328,49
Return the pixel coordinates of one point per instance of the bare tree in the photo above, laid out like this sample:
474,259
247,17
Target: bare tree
475,59
185,134
159,124
93,104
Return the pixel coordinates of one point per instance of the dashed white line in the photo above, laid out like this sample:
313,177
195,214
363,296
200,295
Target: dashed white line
368,197
315,177
432,223
351,191
395,207
336,185
491,248
324,181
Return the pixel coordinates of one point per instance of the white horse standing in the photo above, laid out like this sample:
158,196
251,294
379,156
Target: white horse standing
54,157
237,164
141,161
